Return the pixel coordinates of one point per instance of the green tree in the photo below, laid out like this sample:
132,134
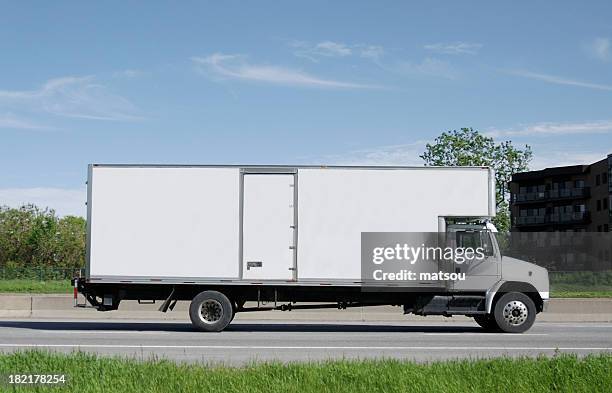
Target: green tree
31,237
468,147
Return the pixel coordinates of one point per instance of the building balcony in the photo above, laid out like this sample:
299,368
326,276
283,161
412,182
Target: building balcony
553,219
531,220
551,195
569,193
567,218
529,197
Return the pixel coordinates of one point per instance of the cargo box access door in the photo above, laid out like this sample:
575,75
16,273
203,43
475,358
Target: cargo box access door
268,226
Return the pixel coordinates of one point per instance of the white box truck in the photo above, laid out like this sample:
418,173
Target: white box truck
289,237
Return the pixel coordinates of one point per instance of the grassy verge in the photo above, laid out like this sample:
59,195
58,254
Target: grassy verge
35,286
584,284
89,373
580,291
581,294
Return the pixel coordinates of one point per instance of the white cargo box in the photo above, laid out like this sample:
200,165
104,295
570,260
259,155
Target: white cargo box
253,224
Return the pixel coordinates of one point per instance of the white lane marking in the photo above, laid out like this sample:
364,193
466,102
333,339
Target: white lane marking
295,347
103,332
485,334
593,325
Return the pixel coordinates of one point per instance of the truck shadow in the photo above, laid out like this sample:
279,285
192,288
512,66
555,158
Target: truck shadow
238,327
347,328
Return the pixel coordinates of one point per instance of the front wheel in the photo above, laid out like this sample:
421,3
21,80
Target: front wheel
211,311
514,312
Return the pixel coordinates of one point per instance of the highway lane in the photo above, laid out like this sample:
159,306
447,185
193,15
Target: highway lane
285,341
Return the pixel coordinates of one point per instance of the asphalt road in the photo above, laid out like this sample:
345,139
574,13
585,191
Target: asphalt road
243,342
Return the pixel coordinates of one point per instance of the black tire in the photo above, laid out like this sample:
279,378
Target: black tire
514,312
211,311
487,322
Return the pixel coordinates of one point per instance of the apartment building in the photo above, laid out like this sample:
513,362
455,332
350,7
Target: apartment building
569,198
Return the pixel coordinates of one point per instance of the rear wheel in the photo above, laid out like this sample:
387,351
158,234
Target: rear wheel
487,322
211,311
514,312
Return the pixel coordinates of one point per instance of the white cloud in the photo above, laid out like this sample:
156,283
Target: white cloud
601,48
560,80
546,154
371,51
428,66
236,67
552,129
455,48
64,201
9,120
130,73
545,157
322,49
393,155
330,48
75,97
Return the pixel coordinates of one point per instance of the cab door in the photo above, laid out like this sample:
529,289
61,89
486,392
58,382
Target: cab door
480,274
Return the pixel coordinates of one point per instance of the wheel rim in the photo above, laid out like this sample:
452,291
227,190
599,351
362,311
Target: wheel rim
515,313
211,311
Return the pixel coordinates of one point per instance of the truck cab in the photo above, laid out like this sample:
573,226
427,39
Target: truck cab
499,292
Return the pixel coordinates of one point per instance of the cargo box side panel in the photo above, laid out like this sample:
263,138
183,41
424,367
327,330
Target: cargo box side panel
164,222
336,205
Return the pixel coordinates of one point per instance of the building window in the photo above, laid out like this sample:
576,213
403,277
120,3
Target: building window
606,228
605,203
604,178
579,183
598,205
597,180
598,228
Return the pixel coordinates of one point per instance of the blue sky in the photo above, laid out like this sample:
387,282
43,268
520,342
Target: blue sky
344,82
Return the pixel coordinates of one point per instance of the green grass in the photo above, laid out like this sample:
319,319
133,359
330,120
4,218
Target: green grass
89,373
581,284
35,286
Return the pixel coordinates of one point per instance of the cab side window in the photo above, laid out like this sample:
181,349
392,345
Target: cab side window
475,239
